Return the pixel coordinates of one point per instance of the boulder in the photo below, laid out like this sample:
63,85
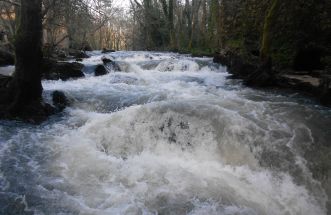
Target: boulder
5,89
61,54
60,101
104,50
106,60
237,65
4,80
110,64
264,76
6,58
100,70
34,112
62,70
300,82
325,90
78,53
87,47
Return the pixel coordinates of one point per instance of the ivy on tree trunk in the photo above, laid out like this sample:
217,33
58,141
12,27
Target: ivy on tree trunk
266,34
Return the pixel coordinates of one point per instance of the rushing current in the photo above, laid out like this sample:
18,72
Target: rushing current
168,134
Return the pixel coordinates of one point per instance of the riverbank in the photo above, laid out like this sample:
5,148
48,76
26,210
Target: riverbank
314,83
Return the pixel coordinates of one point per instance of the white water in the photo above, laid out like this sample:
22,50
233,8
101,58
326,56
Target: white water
168,135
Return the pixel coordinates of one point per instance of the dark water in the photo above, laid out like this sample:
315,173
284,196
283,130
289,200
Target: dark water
168,135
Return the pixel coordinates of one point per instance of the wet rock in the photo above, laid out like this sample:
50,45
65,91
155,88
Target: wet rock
237,65
104,50
110,64
78,54
4,80
79,59
100,70
325,88
87,47
106,60
61,54
62,70
264,76
6,58
60,101
4,89
35,112
304,83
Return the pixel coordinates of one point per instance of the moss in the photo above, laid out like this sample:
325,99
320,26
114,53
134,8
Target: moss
266,37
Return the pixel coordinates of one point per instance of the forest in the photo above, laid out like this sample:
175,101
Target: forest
165,107
287,31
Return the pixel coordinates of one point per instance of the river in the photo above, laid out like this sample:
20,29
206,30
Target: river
169,134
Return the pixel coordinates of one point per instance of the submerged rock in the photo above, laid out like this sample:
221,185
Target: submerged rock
62,70
60,101
100,70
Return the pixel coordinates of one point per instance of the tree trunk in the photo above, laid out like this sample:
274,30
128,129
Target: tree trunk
27,86
266,37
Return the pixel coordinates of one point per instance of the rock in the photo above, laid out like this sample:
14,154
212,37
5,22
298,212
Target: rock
61,55
60,101
106,60
325,88
201,54
5,97
79,59
87,47
100,70
303,83
110,64
104,50
4,80
62,70
236,64
78,54
35,112
6,58
262,77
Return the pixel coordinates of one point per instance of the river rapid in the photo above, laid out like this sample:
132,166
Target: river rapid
169,134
